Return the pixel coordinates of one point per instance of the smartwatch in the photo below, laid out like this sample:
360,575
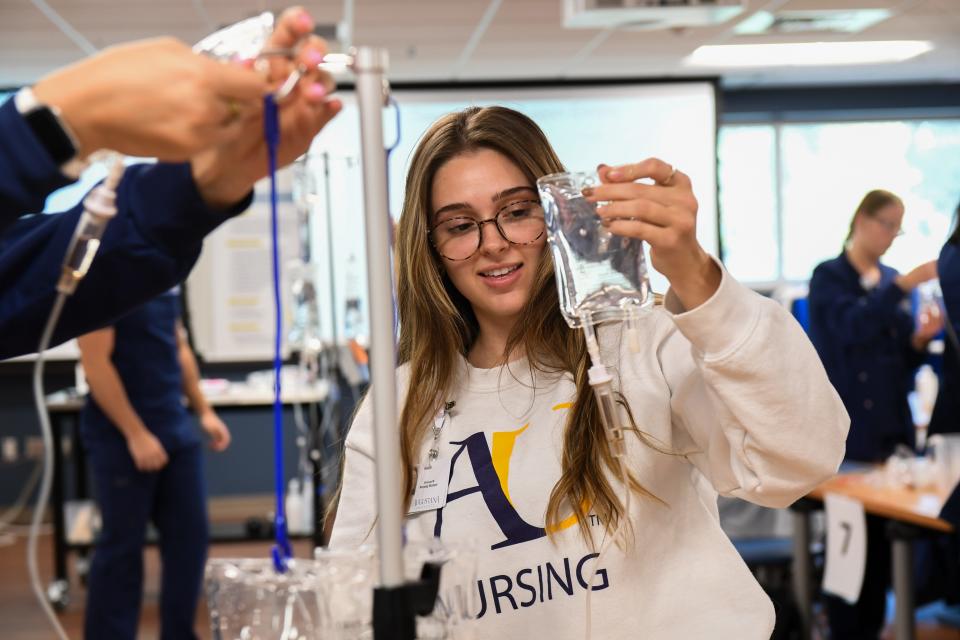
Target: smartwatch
51,131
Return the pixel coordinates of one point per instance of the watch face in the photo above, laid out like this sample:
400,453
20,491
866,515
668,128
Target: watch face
46,126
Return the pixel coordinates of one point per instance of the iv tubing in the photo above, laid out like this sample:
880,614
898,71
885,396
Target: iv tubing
601,381
99,208
47,481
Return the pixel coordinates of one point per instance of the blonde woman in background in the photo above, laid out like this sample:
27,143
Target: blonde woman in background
863,329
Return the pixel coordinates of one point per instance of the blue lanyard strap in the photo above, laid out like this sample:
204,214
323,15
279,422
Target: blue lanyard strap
281,551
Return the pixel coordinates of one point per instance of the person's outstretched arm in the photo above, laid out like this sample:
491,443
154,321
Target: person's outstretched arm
164,210
153,98
149,247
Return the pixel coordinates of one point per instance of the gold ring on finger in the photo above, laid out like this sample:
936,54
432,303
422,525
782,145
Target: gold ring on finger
233,111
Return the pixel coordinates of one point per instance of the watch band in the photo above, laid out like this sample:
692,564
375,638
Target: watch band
51,131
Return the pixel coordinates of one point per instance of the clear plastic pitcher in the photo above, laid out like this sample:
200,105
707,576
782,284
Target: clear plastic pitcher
248,600
597,272
330,598
944,448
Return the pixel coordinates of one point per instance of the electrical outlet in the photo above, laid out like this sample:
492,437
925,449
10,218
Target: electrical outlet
8,447
33,448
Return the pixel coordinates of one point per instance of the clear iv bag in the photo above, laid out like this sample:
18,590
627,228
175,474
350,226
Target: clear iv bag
598,273
242,40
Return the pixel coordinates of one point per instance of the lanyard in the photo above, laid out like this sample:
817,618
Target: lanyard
439,422
281,551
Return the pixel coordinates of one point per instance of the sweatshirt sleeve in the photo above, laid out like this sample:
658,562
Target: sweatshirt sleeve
356,507
751,403
149,247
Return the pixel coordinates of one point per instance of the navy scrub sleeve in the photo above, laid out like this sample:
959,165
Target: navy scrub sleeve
946,413
148,248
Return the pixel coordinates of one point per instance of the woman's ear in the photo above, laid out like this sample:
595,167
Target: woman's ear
857,221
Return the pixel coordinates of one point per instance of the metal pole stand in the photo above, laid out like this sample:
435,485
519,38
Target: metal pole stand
902,536
395,608
802,568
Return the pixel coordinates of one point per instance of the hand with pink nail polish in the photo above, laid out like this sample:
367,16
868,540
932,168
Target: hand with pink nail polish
226,174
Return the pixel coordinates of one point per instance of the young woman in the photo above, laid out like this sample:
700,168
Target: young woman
726,393
861,324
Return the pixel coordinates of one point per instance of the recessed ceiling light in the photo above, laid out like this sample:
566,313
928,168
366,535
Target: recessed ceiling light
792,54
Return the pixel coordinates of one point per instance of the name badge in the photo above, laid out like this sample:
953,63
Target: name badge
431,488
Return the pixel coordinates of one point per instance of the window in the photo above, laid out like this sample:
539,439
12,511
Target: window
748,202
812,176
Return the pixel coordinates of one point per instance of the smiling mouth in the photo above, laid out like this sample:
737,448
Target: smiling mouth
499,273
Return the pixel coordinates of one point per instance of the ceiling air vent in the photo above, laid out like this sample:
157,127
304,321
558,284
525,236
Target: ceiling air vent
647,14
818,21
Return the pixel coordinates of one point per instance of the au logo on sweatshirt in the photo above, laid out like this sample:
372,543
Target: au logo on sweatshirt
526,586
491,468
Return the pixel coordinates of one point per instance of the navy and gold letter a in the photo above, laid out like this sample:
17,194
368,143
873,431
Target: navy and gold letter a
514,528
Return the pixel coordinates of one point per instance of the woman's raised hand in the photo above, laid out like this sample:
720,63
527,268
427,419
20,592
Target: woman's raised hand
663,214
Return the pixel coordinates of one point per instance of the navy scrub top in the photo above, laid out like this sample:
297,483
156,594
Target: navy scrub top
145,356
863,338
946,413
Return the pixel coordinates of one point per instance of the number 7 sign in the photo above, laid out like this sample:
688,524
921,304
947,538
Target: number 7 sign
846,547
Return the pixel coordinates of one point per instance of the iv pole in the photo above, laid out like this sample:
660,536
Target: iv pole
395,603
369,66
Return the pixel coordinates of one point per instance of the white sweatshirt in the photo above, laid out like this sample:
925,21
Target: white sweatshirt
734,387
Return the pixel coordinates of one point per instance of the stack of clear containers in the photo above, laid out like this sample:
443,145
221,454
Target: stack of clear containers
329,598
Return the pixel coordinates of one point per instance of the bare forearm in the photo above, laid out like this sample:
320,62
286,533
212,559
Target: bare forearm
191,381
111,397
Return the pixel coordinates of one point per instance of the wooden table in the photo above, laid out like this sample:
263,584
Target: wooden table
912,511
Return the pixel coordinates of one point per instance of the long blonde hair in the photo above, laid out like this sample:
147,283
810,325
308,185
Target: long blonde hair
438,326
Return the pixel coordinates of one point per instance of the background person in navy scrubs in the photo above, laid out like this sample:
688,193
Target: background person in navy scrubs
147,463
946,413
864,331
